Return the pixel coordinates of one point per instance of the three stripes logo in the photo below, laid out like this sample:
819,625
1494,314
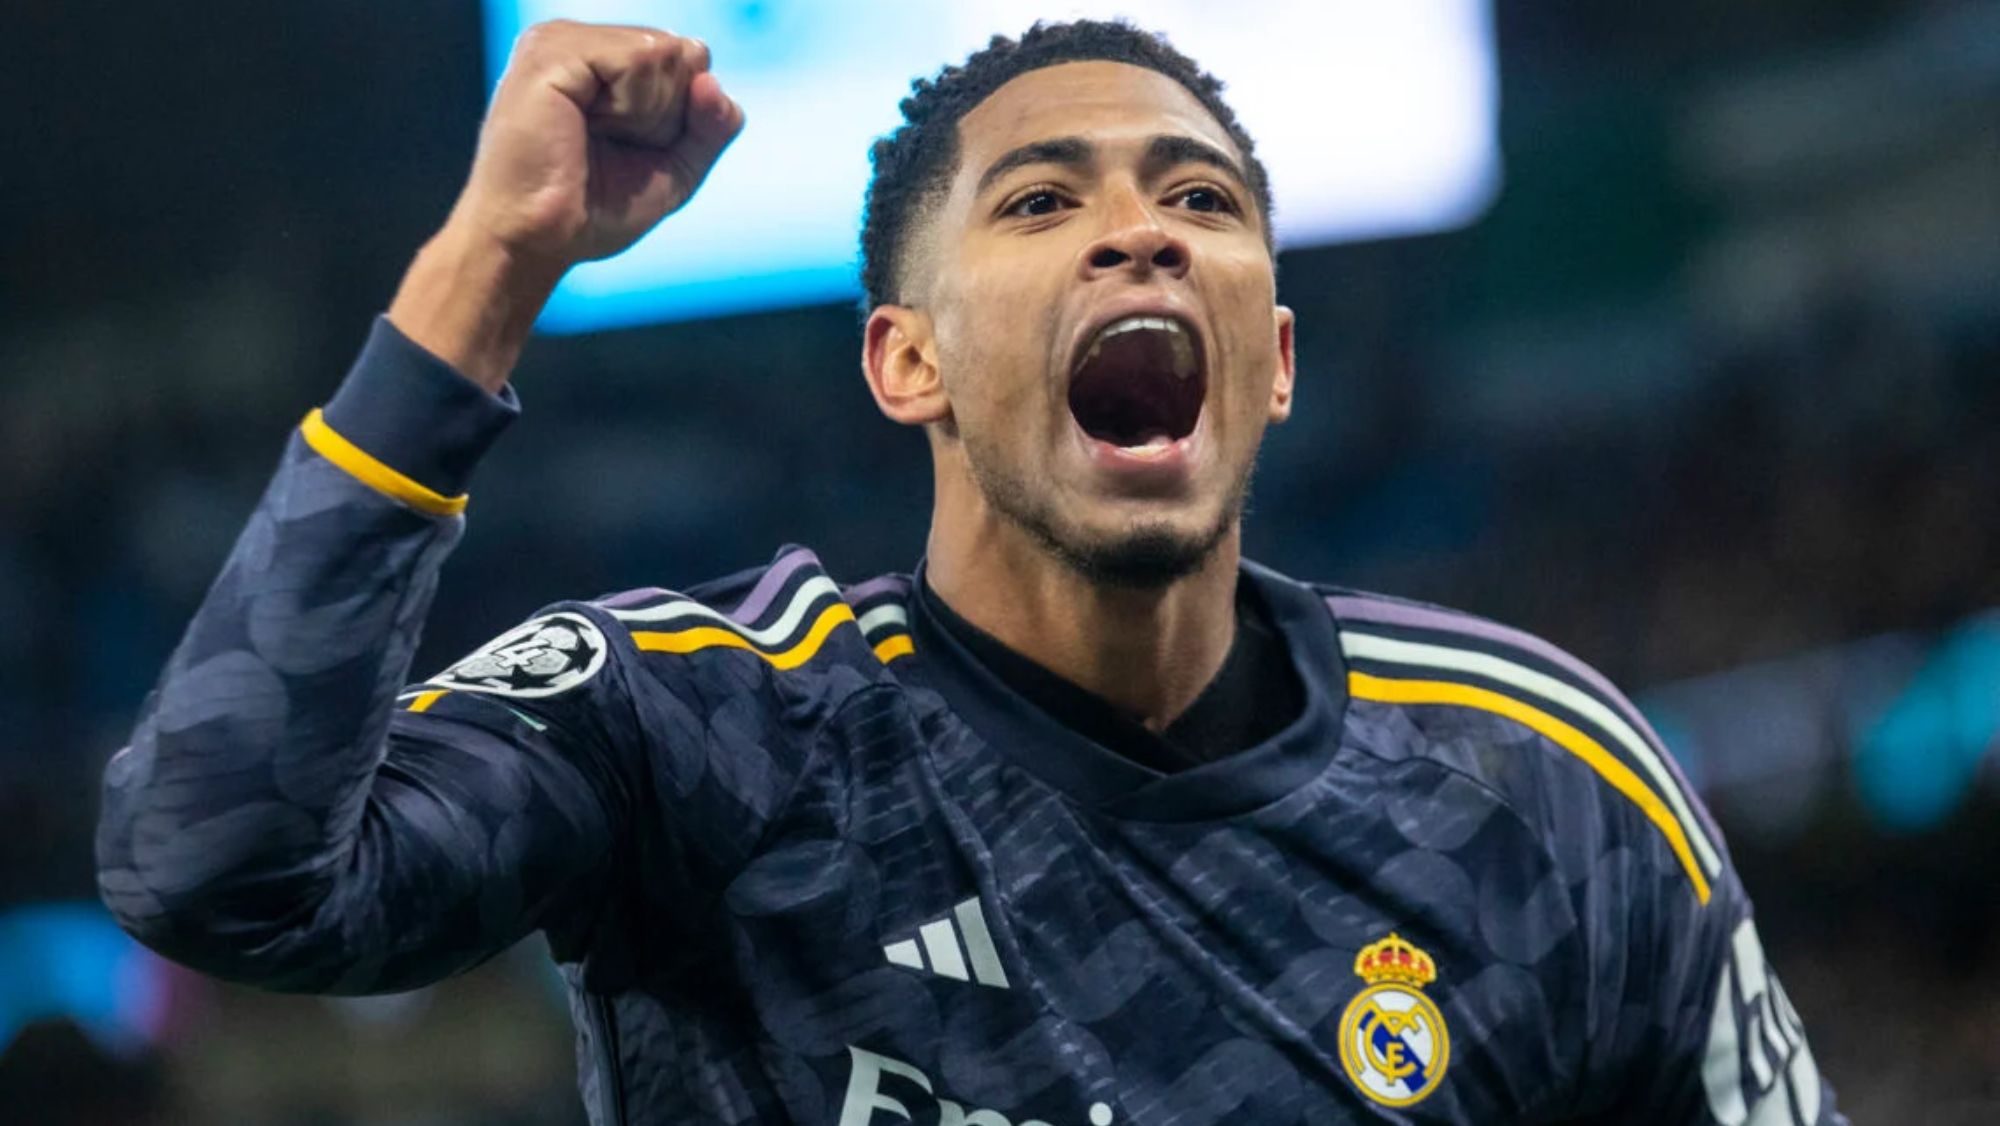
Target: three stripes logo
1406,654
785,620
955,946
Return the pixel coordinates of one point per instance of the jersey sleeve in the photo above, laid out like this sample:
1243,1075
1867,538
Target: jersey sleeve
1694,1027
281,817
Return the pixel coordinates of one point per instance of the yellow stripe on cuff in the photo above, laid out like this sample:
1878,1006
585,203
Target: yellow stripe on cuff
328,443
1362,686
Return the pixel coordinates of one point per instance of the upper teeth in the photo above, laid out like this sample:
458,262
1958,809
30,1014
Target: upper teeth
1128,324
1183,344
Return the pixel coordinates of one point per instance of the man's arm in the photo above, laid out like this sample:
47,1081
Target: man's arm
278,817
1700,1031
274,820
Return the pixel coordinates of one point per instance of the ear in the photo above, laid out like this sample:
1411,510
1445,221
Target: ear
1281,386
899,358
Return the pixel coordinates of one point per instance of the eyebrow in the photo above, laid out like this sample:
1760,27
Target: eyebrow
1071,152
1171,149
1162,152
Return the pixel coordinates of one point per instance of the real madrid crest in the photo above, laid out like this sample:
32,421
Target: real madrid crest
537,658
1393,1041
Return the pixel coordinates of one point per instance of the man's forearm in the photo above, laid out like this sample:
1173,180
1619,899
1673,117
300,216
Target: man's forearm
472,303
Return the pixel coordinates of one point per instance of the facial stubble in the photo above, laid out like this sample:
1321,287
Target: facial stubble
1145,555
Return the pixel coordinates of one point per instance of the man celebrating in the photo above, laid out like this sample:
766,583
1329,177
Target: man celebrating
1086,820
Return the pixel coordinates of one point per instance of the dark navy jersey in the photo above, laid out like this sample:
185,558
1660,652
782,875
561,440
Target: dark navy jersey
802,858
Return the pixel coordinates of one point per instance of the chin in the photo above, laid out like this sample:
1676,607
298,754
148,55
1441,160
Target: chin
1147,560
1127,550
1147,555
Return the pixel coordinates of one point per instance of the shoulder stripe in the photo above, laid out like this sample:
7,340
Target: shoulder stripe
1390,612
1374,648
356,463
1363,686
891,615
781,643
787,623
786,641
894,646
897,587
709,637
1515,675
770,584
887,628
421,699
630,598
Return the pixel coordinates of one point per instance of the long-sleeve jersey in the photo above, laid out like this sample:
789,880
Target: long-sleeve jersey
802,858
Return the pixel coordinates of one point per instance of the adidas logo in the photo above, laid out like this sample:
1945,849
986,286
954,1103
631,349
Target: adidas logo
937,947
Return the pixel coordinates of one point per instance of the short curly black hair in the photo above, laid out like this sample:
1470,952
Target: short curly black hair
914,164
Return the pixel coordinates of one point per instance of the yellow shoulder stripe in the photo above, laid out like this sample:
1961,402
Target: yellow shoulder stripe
1362,686
695,639
328,443
708,637
424,700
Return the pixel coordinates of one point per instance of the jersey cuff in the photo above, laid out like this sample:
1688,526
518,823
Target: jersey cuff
408,424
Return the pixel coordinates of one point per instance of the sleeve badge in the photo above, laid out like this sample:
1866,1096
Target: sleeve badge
542,657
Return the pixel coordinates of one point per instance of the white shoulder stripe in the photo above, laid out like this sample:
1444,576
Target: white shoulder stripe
809,592
884,615
1370,646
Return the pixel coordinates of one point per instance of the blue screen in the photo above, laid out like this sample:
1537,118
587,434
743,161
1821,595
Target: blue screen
1373,119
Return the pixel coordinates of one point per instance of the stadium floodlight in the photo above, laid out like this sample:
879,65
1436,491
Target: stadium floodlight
1374,119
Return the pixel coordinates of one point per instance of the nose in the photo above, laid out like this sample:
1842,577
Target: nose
1135,242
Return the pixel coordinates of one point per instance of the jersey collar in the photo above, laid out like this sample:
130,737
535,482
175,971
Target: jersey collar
1113,784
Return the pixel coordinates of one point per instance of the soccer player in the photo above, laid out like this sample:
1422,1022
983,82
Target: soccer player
1085,819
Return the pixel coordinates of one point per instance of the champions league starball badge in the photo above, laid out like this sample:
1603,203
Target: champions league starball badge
1393,1041
539,658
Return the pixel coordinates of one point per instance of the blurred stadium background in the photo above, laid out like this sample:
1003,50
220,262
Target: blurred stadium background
1710,395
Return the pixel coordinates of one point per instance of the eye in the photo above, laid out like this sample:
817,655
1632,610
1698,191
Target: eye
1207,200
1036,202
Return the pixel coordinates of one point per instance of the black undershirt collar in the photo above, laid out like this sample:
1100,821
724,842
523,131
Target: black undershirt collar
1253,696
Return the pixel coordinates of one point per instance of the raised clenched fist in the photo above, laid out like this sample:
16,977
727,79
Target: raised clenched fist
594,135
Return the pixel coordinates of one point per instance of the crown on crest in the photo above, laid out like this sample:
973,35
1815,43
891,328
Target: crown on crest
1395,960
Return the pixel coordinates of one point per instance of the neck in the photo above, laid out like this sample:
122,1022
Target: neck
1149,652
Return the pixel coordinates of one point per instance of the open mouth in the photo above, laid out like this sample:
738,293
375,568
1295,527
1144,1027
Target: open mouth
1139,384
